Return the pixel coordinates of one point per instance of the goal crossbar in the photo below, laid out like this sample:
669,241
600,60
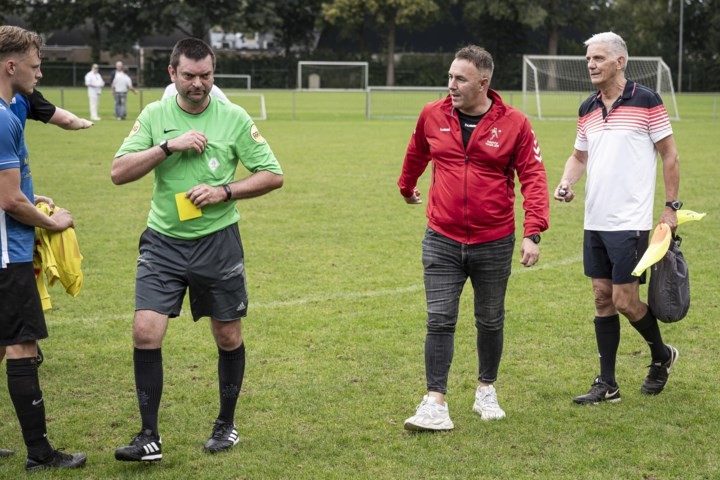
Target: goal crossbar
246,77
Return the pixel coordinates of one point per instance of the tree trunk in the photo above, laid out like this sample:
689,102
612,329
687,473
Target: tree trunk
200,30
96,42
553,37
390,72
553,29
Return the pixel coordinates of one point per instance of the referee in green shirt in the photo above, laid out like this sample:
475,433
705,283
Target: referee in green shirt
193,143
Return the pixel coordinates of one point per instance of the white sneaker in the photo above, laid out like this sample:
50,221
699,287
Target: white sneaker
486,404
430,415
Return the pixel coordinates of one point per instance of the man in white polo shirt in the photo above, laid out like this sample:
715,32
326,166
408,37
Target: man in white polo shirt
621,129
120,84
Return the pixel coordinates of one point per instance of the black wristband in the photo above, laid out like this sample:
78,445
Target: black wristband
228,192
164,146
534,237
674,204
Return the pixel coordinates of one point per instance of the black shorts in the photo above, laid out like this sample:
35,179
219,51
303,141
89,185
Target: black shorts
211,267
614,255
21,314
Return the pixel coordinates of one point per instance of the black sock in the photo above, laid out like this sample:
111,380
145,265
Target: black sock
231,369
607,334
148,385
24,388
650,331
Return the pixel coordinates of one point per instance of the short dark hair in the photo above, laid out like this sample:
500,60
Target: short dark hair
478,56
18,40
192,48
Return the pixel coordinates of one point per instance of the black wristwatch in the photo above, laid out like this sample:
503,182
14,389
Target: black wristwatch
165,148
675,205
534,237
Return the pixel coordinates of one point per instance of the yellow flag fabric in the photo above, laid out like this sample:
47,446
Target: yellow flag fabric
658,246
688,216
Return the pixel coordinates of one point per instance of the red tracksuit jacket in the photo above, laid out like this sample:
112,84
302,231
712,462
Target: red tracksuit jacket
472,196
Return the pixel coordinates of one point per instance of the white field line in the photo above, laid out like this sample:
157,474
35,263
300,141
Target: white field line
396,291
352,295
337,296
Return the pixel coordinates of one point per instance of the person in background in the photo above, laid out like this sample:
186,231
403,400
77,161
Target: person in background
193,144
94,83
22,322
477,144
120,84
621,128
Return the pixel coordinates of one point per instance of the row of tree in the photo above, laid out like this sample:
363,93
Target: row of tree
366,27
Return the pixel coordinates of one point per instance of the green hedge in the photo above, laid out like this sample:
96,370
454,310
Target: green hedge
274,71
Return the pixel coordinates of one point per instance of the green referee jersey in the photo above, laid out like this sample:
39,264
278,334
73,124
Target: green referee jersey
232,138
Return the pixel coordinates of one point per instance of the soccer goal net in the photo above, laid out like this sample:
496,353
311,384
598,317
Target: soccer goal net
554,86
400,102
228,81
313,75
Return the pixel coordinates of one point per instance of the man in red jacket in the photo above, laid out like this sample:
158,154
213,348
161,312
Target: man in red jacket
477,144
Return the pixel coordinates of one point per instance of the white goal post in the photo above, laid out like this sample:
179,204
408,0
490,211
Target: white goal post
316,75
234,80
253,103
554,86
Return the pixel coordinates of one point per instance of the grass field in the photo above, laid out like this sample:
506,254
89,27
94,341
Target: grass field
336,325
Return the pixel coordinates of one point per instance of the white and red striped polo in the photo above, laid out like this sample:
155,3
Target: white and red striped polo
622,158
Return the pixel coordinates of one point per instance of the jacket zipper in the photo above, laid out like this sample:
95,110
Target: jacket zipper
465,200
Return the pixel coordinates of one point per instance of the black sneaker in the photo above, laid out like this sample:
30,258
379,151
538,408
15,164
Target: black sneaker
600,391
658,375
6,453
145,447
224,436
57,459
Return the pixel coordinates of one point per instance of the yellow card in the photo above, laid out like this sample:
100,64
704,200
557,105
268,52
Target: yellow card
186,209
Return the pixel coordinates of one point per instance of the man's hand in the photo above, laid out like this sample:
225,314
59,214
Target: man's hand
413,199
62,220
48,200
564,192
669,217
201,195
529,252
191,140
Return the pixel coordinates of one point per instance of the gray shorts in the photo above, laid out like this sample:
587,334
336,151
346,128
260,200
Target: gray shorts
21,315
211,267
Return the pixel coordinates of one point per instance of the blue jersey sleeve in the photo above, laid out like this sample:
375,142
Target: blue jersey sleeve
10,140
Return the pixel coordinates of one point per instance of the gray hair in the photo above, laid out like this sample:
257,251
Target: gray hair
614,42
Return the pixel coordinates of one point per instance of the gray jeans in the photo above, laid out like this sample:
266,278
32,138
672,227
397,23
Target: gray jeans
447,266
120,105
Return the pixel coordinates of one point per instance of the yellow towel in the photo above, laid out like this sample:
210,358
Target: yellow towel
56,257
